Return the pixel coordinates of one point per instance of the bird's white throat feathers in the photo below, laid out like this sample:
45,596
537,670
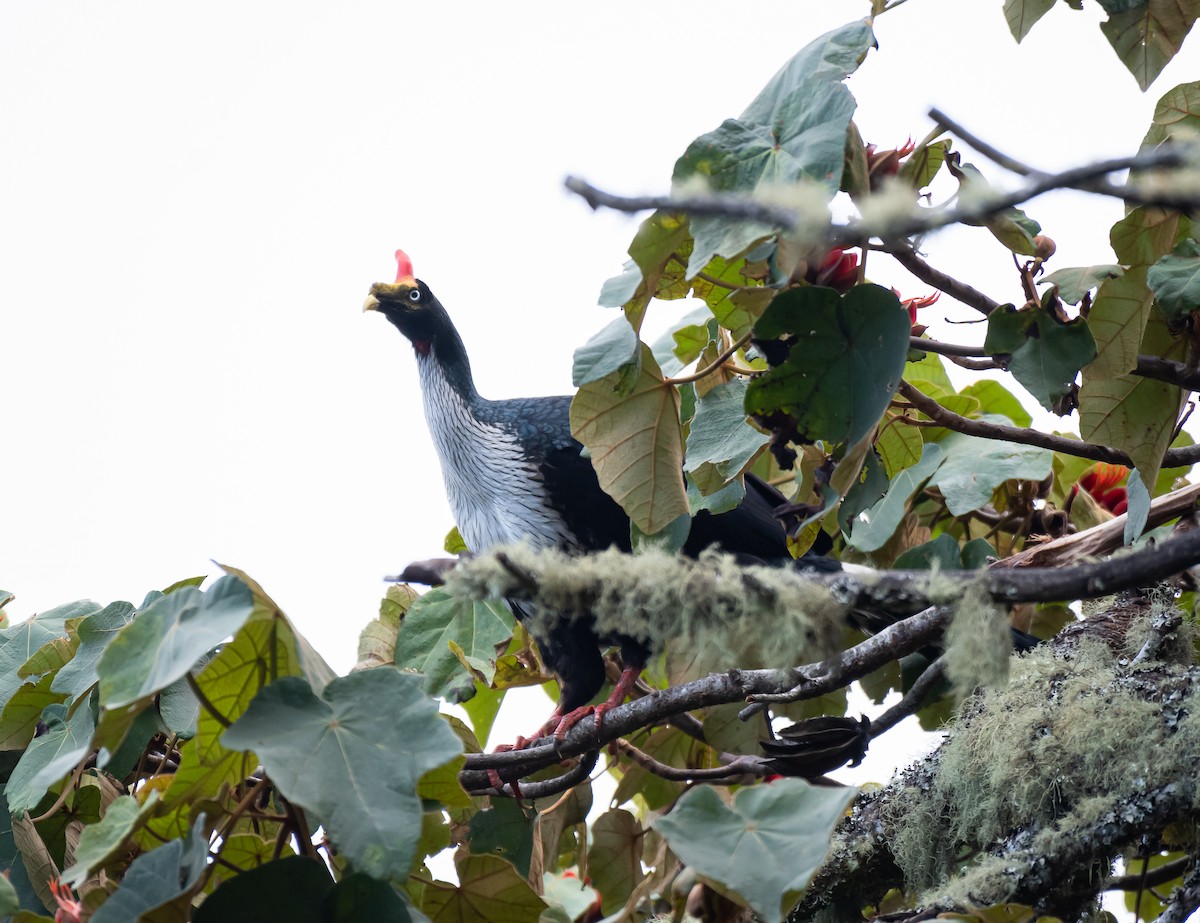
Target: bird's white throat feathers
491,485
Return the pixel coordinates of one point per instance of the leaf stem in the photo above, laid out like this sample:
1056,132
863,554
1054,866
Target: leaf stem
724,356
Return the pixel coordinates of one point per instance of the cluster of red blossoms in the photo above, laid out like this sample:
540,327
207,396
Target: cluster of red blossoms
1100,481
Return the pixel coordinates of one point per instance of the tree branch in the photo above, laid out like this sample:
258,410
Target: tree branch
896,591
857,233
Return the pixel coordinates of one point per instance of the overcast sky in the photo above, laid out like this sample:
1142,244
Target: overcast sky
196,198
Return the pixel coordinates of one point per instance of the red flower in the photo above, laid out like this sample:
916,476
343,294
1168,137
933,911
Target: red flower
69,909
1100,481
838,270
886,163
915,304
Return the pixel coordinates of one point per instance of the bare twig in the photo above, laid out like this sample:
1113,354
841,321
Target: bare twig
741,765
724,356
986,430
858,233
738,207
913,700
907,257
991,153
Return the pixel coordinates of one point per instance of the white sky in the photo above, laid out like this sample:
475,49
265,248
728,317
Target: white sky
196,199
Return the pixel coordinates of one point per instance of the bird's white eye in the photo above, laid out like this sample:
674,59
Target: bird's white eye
414,295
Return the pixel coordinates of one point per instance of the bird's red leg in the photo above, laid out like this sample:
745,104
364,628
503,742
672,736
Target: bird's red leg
620,692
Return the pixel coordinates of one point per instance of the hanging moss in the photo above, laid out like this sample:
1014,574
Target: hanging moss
729,614
1076,733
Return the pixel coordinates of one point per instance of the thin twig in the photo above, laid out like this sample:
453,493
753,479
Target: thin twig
740,766
907,257
858,232
66,791
714,205
724,356
987,150
982,428
913,700
1160,875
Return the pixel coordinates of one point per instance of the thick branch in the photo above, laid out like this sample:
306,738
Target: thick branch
717,689
895,591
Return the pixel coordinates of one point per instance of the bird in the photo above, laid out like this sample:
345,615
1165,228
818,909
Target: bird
513,472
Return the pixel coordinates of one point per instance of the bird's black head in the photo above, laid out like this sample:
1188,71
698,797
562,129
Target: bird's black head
410,305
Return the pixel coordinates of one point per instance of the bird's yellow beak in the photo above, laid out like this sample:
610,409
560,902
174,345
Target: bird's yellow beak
371,304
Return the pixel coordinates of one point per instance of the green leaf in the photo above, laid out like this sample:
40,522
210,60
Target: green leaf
668,540
1011,226
1118,322
9,901
794,129
942,552
19,644
720,433
996,399
1074,283
1177,115
351,761
1022,14
1147,37
178,706
489,891
1046,355
801,136
95,632
453,543
1139,507
167,638
505,831
159,877
99,842
1175,281
357,898
1132,413
766,847
929,370
438,618
21,712
974,467
619,289
50,756
872,529
606,352
615,857
289,651
977,554
635,443
833,56
287,889
919,169
844,365
1147,233
721,501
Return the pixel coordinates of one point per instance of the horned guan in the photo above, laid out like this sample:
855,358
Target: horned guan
513,472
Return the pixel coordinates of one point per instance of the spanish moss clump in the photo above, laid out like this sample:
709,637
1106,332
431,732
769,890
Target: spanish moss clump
1075,734
728,614
978,643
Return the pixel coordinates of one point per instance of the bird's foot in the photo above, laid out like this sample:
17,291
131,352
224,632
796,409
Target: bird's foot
494,774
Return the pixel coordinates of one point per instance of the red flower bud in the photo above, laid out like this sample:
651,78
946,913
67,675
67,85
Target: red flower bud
838,270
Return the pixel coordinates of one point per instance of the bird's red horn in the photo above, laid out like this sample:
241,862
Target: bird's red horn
404,270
